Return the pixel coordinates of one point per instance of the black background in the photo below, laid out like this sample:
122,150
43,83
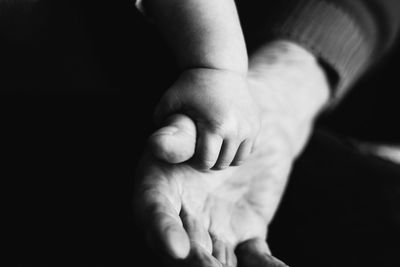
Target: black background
74,121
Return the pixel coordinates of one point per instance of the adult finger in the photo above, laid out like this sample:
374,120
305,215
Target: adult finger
255,253
162,224
223,252
200,257
196,231
176,141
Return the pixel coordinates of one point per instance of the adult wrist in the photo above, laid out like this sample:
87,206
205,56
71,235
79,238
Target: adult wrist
293,72
289,82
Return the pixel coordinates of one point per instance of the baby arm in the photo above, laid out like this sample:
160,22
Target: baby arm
208,43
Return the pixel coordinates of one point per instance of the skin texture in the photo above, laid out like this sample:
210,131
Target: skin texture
225,115
212,89
204,34
210,218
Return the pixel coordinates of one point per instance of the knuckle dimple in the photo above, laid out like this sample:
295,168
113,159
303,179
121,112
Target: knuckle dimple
225,127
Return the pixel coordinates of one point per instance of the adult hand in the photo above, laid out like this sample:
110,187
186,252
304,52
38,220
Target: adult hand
201,217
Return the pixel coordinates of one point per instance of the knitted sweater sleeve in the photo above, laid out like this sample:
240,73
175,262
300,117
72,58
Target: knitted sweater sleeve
348,36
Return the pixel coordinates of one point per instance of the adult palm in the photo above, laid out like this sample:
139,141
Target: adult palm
204,217
210,213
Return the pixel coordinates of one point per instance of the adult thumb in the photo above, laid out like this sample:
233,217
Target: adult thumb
175,142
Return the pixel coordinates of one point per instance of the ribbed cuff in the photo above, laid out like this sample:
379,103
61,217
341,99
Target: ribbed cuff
330,33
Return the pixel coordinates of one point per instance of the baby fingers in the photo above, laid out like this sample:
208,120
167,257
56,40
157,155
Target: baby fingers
207,150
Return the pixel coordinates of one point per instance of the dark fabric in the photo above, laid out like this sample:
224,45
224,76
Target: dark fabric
341,208
349,36
369,112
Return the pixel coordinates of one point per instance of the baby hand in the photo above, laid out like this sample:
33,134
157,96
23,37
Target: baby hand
225,115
